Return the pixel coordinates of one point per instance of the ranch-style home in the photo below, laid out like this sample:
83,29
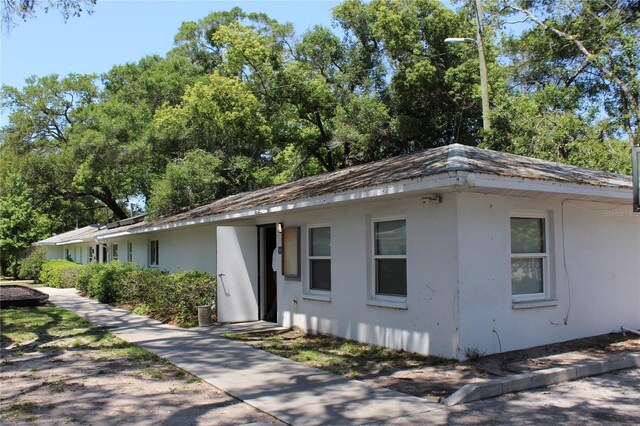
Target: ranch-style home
438,252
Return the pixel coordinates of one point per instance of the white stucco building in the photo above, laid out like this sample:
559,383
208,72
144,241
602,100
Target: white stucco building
436,252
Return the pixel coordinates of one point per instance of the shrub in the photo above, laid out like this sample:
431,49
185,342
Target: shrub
141,285
105,284
31,265
84,276
173,298
192,289
59,273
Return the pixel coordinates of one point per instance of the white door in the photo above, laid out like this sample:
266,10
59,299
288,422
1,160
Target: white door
237,255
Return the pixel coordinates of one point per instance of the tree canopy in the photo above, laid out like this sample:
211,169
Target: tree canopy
242,102
27,9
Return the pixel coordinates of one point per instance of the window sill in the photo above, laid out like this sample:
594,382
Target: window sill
400,304
318,297
532,304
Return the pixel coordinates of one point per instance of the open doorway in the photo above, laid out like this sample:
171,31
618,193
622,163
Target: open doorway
268,277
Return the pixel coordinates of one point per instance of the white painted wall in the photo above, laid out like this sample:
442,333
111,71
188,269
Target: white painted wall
429,322
77,252
54,252
184,249
597,293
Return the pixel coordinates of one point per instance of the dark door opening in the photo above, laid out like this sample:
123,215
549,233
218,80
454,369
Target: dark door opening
268,276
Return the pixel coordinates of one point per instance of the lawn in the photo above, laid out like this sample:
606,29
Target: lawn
56,368
339,356
53,329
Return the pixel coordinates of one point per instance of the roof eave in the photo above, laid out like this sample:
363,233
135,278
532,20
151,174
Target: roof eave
434,183
604,193
424,184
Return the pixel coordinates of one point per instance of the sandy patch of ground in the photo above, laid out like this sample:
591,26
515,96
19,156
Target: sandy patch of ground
59,380
438,382
415,376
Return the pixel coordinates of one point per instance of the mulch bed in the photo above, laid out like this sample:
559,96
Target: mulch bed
17,295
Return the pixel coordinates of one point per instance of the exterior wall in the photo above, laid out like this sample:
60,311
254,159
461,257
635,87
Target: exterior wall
185,249
594,272
77,252
54,252
429,322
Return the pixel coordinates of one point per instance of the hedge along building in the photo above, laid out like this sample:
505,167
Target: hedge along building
436,252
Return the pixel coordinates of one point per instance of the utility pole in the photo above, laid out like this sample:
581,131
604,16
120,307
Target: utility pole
484,81
482,57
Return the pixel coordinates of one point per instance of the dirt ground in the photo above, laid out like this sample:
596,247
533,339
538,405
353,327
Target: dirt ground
435,383
55,384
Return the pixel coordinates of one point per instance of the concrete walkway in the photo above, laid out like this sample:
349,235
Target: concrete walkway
289,391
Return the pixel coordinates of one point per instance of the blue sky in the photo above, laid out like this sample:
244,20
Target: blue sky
124,31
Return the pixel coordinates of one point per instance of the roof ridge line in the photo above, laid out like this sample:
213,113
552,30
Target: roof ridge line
457,159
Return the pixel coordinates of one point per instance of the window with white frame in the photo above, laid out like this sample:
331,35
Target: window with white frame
114,252
320,258
130,252
529,257
390,257
154,252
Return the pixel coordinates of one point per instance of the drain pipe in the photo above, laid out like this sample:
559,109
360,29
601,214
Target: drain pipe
630,330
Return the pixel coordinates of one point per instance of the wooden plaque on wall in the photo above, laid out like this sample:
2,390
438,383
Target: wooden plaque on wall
291,252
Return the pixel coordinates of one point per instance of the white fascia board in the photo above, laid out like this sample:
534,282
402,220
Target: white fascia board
432,183
64,243
548,186
116,235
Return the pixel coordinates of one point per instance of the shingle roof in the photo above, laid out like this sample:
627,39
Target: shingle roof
84,234
446,159
90,232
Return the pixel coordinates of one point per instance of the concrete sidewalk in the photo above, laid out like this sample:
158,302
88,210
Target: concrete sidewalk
289,391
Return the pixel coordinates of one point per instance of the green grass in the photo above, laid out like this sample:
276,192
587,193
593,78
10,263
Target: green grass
339,356
56,329
19,409
153,373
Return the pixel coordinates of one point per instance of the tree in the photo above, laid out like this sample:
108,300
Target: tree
590,45
220,116
27,9
433,93
188,182
54,123
81,144
548,124
20,222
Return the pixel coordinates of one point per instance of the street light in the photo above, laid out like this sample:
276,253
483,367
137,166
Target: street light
479,42
459,40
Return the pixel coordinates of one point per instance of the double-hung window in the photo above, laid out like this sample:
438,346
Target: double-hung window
114,252
320,258
390,257
130,252
529,257
154,252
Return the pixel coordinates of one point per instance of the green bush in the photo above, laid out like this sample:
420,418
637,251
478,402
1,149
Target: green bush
84,276
59,273
31,265
141,285
192,289
169,298
106,284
